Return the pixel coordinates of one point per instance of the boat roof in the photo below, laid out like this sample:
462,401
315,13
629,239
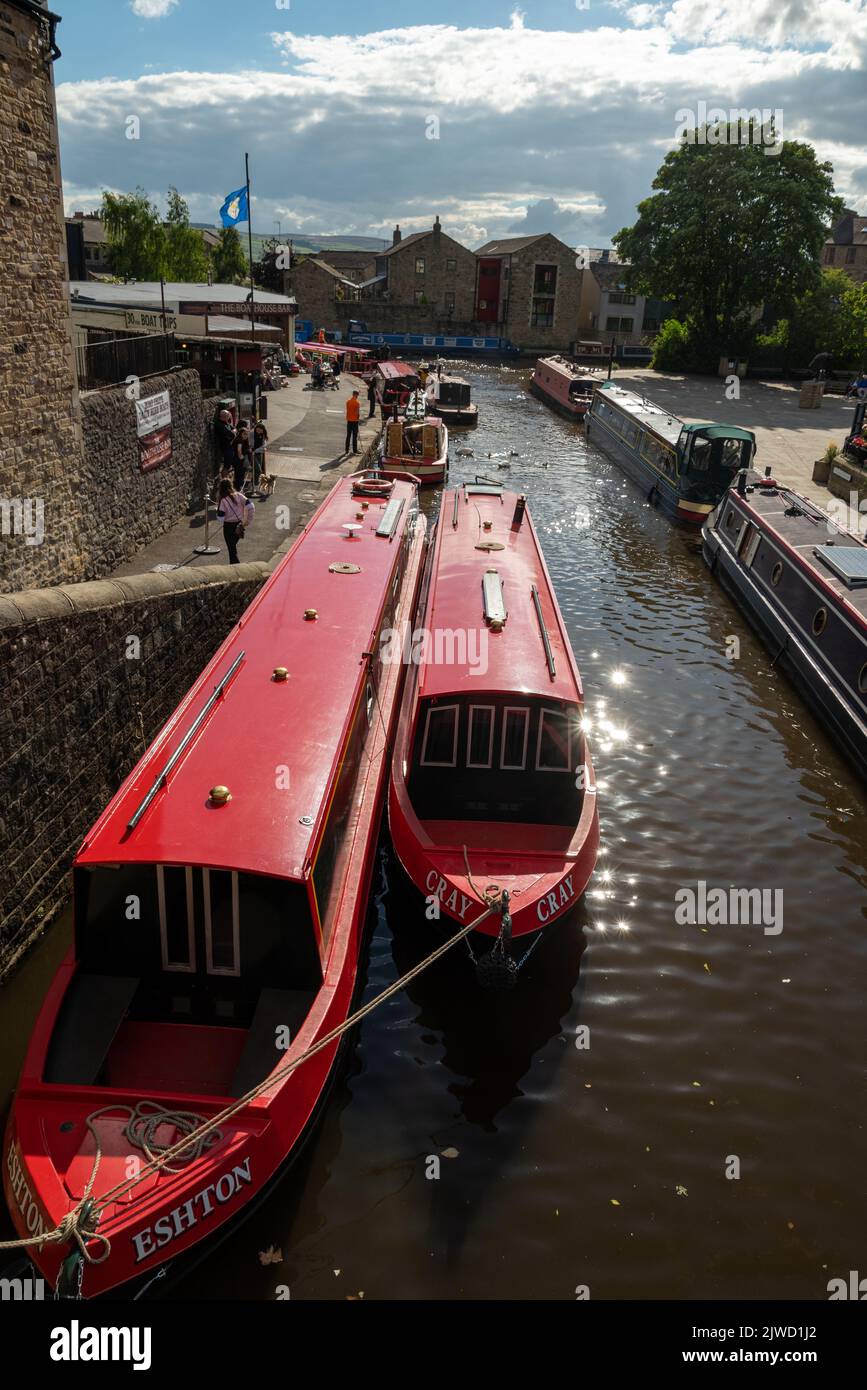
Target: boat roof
275,745
818,540
332,348
395,369
516,659
661,421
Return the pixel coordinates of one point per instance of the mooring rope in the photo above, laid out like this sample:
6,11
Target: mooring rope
80,1223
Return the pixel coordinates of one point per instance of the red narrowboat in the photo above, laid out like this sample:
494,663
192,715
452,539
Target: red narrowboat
563,385
395,383
492,786
416,444
220,901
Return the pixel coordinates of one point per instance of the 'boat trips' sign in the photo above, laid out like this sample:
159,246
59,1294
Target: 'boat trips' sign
153,419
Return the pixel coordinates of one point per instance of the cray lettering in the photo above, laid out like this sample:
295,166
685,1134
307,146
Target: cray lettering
438,887
550,905
190,1213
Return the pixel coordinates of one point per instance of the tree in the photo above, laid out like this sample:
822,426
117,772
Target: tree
136,237
730,227
185,249
830,317
229,264
269,270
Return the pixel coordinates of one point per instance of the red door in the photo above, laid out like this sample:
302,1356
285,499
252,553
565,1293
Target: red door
488,293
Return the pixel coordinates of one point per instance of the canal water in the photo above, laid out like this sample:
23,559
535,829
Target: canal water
658,1111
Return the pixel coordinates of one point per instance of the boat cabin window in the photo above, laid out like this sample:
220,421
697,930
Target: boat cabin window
554,748
481,736
166,922
440,736
513,750
713,462
494,761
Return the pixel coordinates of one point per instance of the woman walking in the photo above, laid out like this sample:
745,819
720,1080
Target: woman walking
236,512
259,444
242,456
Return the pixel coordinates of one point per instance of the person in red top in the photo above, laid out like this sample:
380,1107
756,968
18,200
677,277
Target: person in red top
353,411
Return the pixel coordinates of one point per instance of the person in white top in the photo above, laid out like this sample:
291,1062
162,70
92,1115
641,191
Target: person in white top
236,512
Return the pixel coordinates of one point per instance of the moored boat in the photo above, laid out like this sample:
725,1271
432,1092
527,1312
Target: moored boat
450,397
416,444
219,906
564,385
492,794
683,469
801,580
394,382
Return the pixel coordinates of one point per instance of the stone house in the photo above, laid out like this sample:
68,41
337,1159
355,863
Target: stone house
95,244
320,290
610,310
528,290
354,265
40,421
430,272
846,247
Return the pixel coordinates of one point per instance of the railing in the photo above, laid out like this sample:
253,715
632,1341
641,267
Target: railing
111,362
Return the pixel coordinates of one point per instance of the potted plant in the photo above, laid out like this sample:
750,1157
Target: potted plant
822,467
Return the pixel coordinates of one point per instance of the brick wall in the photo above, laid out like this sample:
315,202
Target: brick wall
76,712
39,429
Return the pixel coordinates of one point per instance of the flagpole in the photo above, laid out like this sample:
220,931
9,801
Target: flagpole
250,243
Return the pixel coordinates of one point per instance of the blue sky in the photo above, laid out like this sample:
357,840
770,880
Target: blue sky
500,118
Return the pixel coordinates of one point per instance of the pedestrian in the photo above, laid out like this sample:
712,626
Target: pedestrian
353,413
258,444
224,435
371,397
316,374
236,512
336,367
241,459
820,366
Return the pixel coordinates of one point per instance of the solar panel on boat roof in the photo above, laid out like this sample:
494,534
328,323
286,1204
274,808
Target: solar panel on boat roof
849,562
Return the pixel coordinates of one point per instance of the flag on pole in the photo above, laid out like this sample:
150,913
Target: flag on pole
235,208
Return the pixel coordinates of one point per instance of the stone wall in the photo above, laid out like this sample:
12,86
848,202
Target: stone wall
518,296
434,251
39,420
98,507
76,711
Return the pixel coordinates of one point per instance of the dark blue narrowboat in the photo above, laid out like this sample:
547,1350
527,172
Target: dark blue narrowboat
683,469
801,581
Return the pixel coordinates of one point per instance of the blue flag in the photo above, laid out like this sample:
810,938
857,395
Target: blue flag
235,208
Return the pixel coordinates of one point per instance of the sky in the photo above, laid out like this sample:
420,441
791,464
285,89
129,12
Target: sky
503,119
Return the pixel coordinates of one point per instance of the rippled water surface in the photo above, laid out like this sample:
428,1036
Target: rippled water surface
606,1166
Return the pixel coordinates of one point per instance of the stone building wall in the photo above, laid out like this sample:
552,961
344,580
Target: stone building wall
39,412
76,712
547,250
436,249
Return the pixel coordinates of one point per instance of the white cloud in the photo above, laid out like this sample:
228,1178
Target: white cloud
566,127
152,9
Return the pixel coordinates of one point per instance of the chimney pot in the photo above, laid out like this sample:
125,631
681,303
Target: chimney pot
395,236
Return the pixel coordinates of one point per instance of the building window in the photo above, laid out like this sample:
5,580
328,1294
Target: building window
419,296
612,325
850,255
419,265
451,263
829,255
650,326
450,301
626,325
545,279
543,313
618,297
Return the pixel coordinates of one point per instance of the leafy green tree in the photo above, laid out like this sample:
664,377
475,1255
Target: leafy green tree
830,317
136,236
729,228
269,270
229,264
185,249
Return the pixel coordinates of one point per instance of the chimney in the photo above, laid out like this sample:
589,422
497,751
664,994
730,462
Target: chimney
395,236
436,233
